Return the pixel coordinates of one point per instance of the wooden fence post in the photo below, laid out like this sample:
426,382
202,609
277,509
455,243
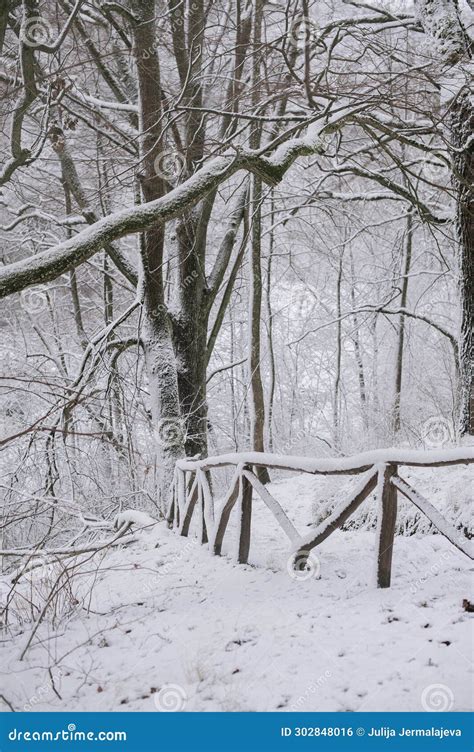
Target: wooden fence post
223,517
201,501
387,517
245,519
192,493
181,492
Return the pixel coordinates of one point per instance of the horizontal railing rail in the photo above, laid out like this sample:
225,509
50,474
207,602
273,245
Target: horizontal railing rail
356,463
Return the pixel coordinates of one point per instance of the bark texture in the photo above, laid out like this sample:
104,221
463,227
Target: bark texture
157,335
462,129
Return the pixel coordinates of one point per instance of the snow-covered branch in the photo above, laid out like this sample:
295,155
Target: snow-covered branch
50,264
388,312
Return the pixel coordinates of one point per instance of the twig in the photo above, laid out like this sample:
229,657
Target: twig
2,697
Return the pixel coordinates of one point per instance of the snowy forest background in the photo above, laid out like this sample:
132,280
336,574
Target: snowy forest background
226,226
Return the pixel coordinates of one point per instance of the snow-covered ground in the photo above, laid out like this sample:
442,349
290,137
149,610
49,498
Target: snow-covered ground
167,624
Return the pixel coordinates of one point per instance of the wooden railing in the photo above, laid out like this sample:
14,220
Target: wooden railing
193,495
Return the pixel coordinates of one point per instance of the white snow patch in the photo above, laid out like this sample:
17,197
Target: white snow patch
133,517
234,638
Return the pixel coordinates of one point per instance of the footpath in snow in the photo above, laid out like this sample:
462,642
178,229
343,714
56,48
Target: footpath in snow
162,624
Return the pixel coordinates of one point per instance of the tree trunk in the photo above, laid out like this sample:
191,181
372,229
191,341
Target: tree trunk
462,128
358,351
157,336
271,349
442,22
257,400
396,412
190,335
337,379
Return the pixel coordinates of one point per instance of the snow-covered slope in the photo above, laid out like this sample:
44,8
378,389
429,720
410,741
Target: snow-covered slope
167,624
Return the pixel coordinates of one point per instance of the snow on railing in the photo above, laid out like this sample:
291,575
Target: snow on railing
192,493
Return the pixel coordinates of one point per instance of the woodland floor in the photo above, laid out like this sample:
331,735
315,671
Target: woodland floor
163,611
